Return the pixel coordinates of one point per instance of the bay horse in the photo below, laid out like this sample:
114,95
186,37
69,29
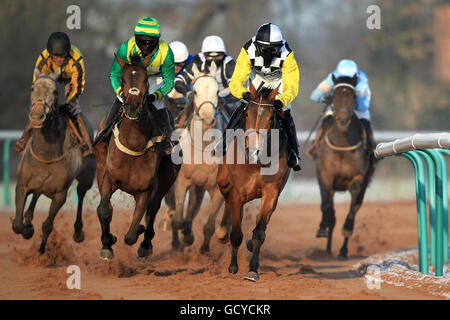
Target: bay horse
133,161
198,175
344,162
243,182
50,162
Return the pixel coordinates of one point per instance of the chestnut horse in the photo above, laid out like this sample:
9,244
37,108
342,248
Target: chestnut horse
344,162
134,162
243,182
52,159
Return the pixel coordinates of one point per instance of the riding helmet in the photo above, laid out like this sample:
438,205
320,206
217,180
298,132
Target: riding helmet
58,43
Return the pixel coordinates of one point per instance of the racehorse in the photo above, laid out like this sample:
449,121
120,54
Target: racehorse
344,162
134,162
51,161
241,183
175,103
201,175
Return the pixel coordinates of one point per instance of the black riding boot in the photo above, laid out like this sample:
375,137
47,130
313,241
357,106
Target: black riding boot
289,127
165,126
234,121
109,123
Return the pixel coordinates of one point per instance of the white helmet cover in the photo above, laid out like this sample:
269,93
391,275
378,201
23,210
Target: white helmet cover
213,44
180,51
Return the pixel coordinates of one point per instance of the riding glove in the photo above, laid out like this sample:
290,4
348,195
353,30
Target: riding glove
278,104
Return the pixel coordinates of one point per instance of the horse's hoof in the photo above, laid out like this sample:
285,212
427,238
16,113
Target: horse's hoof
78,236
250,245
322,233
141,229
28,232
106,254
17,227
130,240
222,235
252,276
143,253
204,249
343,254
177,224
233,269
188,239
346,233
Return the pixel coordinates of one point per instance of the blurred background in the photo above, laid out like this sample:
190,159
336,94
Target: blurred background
407,60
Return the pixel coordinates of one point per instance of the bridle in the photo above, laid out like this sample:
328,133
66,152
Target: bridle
197,110
142,96
44,101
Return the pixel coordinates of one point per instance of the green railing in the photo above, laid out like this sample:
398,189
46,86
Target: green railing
436,193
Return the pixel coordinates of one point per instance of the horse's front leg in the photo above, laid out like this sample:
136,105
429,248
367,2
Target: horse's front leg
47,226
210,226
28,230
104,213
235,206
177,219
195,201
328,214
21,198
136,228
357,192
268,204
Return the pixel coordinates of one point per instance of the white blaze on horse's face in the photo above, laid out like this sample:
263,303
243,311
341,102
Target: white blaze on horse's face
205,93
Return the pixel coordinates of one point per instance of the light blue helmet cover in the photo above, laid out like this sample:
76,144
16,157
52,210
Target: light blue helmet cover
346,68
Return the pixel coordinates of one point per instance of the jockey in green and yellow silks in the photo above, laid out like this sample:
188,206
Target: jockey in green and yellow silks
160,70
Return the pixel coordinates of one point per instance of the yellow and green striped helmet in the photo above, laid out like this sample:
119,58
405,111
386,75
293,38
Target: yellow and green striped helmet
147,27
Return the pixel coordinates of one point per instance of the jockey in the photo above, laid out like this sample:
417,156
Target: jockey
182,59
181,56
60,53
213,50
161,73
268,62
323,92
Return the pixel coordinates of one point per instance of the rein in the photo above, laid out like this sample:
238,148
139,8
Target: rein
349,148
39,159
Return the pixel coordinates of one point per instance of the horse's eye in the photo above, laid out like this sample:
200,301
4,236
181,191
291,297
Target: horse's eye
32,89
55,92
195,91
217,92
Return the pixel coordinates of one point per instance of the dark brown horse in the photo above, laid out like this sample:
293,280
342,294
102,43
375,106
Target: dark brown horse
344,162
134,162
50,162
243,182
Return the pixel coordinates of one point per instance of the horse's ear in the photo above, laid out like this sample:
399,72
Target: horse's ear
195,71
213,68
37,72
274,93
252,90
354,80
147,60
57,73
121,62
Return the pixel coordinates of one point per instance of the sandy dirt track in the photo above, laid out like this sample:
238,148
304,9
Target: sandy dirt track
293,262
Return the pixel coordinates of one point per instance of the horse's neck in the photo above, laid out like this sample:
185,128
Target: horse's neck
135,134
350,136
49,140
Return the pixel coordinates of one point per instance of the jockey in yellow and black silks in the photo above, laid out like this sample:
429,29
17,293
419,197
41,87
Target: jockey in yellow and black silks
160,71
60,53
268,62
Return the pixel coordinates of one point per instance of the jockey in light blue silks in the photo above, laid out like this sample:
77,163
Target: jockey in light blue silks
323,92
